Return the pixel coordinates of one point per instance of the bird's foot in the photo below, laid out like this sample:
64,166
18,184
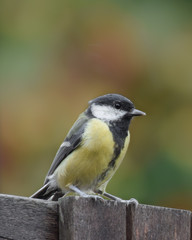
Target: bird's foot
83,194
130,201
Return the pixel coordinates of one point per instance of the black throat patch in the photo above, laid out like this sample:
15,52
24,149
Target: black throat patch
119,130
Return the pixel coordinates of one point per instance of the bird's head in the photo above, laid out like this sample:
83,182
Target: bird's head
113,107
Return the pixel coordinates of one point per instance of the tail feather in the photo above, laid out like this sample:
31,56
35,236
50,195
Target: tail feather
44,193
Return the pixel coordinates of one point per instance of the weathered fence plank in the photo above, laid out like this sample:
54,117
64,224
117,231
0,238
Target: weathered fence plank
77,218
26,218
90,219
158,223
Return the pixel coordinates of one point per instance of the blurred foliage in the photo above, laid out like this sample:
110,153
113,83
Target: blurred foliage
57,55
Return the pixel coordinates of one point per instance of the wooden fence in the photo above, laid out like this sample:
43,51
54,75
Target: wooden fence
85,218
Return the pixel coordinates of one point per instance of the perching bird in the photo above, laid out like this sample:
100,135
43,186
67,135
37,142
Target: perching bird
93,149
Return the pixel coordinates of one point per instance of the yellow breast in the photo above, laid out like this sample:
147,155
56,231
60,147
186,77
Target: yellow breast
85,164
102,185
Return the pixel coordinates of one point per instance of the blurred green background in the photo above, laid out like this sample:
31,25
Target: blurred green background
57,55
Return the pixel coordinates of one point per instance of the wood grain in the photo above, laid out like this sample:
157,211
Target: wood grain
77,218
26,218
158,223
90,219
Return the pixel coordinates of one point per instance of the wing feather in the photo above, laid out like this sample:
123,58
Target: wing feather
71,142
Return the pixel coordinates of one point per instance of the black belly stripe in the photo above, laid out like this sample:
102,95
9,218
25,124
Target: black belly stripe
120,132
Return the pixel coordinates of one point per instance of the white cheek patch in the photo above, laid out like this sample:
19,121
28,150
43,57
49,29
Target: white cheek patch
107,113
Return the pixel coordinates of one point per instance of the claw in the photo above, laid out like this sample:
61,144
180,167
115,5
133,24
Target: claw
131,201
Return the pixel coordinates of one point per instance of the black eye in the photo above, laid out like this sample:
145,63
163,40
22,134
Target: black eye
117,105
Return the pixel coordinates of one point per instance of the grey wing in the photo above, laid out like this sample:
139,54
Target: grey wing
70,143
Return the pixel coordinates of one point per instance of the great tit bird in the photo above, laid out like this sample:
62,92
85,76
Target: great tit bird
92,150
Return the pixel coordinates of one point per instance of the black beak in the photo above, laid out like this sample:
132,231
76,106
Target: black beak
136,112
